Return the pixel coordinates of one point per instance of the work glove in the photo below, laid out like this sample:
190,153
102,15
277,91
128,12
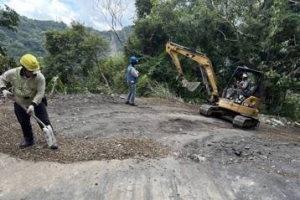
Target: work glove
30,109
6,93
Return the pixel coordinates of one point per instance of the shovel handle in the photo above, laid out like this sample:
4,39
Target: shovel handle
50,138
38,120
32,115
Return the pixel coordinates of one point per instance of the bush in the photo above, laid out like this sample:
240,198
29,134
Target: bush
291,106
76,86
6,63
161,90
56,86
142,86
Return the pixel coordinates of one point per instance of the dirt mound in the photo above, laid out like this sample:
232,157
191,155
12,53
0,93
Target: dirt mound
72,149
102,127
75,150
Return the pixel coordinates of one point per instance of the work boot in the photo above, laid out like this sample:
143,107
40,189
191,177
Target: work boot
26,144
54,147
127,102
133,104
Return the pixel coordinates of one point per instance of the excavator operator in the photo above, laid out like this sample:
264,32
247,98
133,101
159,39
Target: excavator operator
243,87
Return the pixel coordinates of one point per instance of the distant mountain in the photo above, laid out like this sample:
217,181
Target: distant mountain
30,38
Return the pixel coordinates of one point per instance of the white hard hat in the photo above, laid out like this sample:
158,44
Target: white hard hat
244,75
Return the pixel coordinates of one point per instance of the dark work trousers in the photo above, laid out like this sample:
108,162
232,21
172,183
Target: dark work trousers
131,94
24,119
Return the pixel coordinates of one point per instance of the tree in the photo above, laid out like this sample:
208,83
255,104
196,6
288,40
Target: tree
9,19
143,8
73,55
262,35
112,11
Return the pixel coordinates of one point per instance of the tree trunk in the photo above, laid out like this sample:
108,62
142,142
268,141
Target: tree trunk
100,70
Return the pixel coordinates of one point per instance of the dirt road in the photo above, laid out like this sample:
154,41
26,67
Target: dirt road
159,150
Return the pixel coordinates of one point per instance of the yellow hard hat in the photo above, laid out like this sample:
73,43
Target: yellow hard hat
30,62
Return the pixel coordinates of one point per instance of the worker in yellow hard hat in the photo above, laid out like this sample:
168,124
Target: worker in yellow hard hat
28,89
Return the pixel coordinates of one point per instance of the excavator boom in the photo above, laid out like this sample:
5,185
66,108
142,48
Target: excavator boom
241,107
174,49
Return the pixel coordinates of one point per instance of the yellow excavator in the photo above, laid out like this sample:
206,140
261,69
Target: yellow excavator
240,99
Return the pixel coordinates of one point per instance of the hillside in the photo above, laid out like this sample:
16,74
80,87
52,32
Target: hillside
29,37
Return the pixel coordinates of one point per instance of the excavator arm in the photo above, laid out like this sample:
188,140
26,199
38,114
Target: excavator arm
174,49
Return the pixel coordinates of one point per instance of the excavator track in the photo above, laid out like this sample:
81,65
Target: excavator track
240,121
208,110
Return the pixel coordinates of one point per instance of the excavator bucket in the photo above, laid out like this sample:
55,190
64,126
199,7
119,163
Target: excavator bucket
191,86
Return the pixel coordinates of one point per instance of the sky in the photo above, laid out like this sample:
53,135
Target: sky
84,11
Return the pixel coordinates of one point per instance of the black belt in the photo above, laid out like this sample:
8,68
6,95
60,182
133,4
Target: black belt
23,97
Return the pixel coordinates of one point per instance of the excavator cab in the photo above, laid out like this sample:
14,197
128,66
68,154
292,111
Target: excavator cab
233,89
239,101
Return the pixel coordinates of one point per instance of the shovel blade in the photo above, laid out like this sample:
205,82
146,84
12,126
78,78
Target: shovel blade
50,138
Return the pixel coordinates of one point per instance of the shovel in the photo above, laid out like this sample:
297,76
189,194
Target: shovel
47,130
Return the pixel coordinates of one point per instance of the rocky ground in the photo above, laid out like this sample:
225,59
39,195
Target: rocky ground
159,150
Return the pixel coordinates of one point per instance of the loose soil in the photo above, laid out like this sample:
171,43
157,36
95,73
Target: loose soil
90,143
194,156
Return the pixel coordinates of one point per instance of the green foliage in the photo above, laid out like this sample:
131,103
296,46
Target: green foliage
9,18
114,68
76,86
55,85
151,37
142,87
161,90
143,8
277,98
6,63
74,55
262,35
292,106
